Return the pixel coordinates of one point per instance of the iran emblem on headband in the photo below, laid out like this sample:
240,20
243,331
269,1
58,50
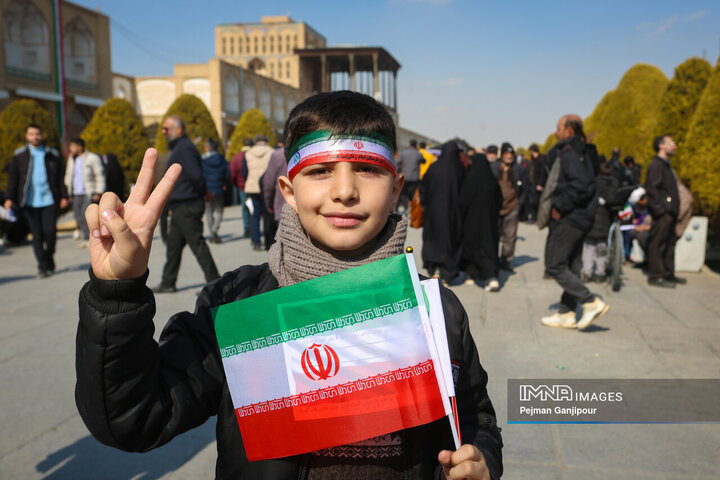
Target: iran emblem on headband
358,144
320,362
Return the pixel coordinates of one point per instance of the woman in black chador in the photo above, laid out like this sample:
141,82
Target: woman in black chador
480,203
439,195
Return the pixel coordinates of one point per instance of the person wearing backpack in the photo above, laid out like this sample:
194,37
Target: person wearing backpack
572,212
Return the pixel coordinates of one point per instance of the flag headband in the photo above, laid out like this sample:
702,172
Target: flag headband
323,146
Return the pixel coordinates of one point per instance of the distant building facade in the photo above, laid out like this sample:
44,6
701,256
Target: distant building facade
30,58
268,48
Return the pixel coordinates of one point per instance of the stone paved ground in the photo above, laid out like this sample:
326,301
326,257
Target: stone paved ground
648,333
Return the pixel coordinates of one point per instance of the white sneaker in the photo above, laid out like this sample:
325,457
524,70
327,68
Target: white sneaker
492,286
469,281
76,234
83,244
560,320
592,310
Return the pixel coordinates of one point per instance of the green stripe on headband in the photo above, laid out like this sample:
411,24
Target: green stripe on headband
327,135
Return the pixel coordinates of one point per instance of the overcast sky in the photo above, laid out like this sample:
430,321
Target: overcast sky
483,70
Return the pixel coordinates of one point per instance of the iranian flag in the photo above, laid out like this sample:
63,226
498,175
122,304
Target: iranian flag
332,361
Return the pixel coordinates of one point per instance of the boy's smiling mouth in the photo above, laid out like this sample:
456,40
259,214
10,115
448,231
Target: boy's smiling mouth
343,219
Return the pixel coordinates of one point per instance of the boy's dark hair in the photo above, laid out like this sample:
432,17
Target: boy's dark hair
78,141
423,145
33,125
341,112
628,160
211,143
605,169
658,141
534,148
492,149
248,142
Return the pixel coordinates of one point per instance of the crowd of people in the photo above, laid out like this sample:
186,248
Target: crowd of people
473,200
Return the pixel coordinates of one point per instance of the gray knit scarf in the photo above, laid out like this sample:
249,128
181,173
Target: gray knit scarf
294,258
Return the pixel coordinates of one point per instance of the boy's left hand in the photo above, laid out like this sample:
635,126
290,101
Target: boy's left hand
465,462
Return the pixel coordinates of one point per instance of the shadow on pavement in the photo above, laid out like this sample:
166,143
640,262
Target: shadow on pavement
15,279
89,459
523,259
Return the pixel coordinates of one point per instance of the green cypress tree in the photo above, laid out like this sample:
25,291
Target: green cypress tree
13,120
253,122
592,123
198,123
116,128
631,112
701,148
678,105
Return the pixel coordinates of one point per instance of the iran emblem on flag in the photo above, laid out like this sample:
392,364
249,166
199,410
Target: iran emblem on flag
334,360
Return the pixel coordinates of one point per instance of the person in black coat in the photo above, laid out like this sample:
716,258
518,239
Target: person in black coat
595,249
35,188
573,203
480,203
664,206
114,176
439,196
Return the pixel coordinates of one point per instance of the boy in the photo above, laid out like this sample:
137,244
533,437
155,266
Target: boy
136,395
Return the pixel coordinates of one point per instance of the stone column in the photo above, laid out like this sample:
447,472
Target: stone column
324,80
351,59
394,82
376,83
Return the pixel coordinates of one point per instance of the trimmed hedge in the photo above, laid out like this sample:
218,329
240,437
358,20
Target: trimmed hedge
701,148
116,128
678,106
593,122
252,122
198,122
631,113
13,120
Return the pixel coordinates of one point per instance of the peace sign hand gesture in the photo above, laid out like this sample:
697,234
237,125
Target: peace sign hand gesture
122,232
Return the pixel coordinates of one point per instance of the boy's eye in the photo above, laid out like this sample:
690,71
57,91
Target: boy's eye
317,170
366,168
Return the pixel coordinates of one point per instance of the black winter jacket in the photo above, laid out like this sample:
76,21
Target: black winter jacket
574,196
191,184
136,395
607,187
17,182
662,189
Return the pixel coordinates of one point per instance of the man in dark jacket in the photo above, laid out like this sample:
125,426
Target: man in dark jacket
36,187
664,205
186,208
573,212
216,172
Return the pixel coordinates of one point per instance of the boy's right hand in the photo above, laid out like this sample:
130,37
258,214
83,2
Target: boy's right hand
121,233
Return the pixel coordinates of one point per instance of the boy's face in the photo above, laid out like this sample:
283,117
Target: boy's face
343,206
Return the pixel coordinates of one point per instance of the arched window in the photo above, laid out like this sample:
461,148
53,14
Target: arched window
287,69
232,46
224,49
79,51
279,106
265,100
249,94
279,69
27,40
231,94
